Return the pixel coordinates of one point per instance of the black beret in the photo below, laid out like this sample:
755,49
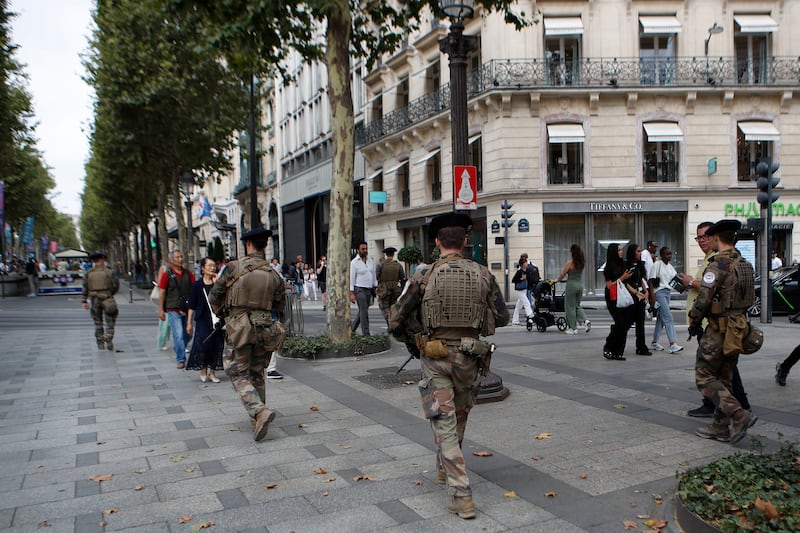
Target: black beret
389,250
727,224
94,256
256,233
449,220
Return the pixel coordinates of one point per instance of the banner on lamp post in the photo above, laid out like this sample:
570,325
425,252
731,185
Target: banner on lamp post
465,181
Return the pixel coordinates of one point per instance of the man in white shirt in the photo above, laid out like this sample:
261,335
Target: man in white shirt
776,261
362,287
649,256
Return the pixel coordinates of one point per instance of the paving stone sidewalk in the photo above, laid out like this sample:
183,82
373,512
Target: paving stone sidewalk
349,450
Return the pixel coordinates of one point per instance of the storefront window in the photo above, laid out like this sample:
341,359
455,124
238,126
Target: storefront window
618,228
667,229
560,232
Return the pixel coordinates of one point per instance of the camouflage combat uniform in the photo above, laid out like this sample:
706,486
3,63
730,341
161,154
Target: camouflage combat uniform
456,303
391,278
247,303
725,294
99,287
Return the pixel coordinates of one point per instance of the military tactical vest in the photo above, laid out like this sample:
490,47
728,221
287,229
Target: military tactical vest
390,272
98,281
255,289
455,296
736,292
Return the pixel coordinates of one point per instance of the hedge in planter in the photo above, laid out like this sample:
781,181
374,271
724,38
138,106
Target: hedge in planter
322,347
747,492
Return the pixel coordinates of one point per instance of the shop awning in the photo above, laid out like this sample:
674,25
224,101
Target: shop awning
392,170
563,26
565,133
427,156
661,24
759,131
474,138
756,23
663,132
374,175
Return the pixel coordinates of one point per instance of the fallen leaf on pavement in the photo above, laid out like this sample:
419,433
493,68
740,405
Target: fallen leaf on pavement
203,525
314,408
325,493
510,494
417,482
642,516
482,454
657,498
44,523
629,524
683,463
655,523
363,477
190,469
100,477
619,406
101,443
767,508
301,426
408,383
110,511
176,458
320,470
345,446
138,487
234,429
543,436
550,494
330,480
584,475
536,458
269,486
185,518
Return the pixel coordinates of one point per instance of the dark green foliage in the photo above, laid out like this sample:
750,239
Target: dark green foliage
725,492
409,254
310,346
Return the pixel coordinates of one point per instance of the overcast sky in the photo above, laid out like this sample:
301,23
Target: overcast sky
51,36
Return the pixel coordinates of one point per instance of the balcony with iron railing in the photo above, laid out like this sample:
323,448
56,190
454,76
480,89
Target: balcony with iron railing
592,73
565,174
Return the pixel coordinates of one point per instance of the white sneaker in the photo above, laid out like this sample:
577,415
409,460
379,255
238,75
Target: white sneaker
674,348
656,347
570,331
588,326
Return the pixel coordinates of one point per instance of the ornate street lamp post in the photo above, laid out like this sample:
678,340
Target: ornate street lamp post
187,183
713,30
457,46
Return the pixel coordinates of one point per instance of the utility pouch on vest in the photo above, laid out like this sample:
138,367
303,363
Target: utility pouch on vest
238,329
474,347
436,349
735,331
717,308
110,306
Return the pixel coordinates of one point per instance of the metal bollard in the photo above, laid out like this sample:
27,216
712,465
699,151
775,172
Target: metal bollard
130,285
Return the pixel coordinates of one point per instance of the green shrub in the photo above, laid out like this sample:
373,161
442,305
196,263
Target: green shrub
409,254
747,492
310,346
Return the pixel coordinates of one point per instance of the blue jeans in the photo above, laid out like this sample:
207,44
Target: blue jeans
177,323
664,317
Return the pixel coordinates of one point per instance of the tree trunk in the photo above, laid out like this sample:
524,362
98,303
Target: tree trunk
337,58
177,206
163,239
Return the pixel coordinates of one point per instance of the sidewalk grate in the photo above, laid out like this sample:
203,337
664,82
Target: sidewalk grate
385,378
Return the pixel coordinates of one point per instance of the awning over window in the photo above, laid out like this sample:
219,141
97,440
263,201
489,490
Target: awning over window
759,131
565,133
374,175
474,138
756,23
563,26
427,156
660,24
394,169
663,132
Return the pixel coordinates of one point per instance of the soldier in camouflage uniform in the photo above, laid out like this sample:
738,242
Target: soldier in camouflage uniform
726,292
441,315
247,292
99,287
391,278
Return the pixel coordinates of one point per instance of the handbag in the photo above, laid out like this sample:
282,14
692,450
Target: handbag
624,298
154,293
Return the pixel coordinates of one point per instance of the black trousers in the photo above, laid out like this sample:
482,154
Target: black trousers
623,319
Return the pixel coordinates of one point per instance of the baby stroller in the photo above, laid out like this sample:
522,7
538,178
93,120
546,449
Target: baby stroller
545,303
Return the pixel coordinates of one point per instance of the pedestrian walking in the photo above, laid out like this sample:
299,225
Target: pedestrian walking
206,352
322,280
174,285
246,292
661,276
444,311
32,272
309,283
99,287
391,278
782,369
638,282
726,292
362,287
613,272
706,410
573,271
520,281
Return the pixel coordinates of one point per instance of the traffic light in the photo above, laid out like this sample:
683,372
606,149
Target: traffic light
507,214
766,183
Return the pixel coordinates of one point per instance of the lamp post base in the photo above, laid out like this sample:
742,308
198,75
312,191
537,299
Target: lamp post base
492,389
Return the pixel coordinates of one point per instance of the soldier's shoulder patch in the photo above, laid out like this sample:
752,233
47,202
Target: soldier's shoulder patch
709,277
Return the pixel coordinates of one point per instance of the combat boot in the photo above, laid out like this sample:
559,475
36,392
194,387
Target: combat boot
742,421
714,431
262,424
101,345
463,506
110,346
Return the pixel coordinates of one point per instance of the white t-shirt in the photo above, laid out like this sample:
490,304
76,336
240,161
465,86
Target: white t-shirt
647,259
664,273
776,263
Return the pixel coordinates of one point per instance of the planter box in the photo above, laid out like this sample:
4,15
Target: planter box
331,353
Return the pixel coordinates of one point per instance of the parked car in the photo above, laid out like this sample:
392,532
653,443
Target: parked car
785,292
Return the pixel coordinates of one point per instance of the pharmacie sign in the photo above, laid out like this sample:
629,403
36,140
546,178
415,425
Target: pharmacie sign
753,210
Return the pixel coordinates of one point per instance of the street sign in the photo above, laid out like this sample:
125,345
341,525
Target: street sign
465,179
495,226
